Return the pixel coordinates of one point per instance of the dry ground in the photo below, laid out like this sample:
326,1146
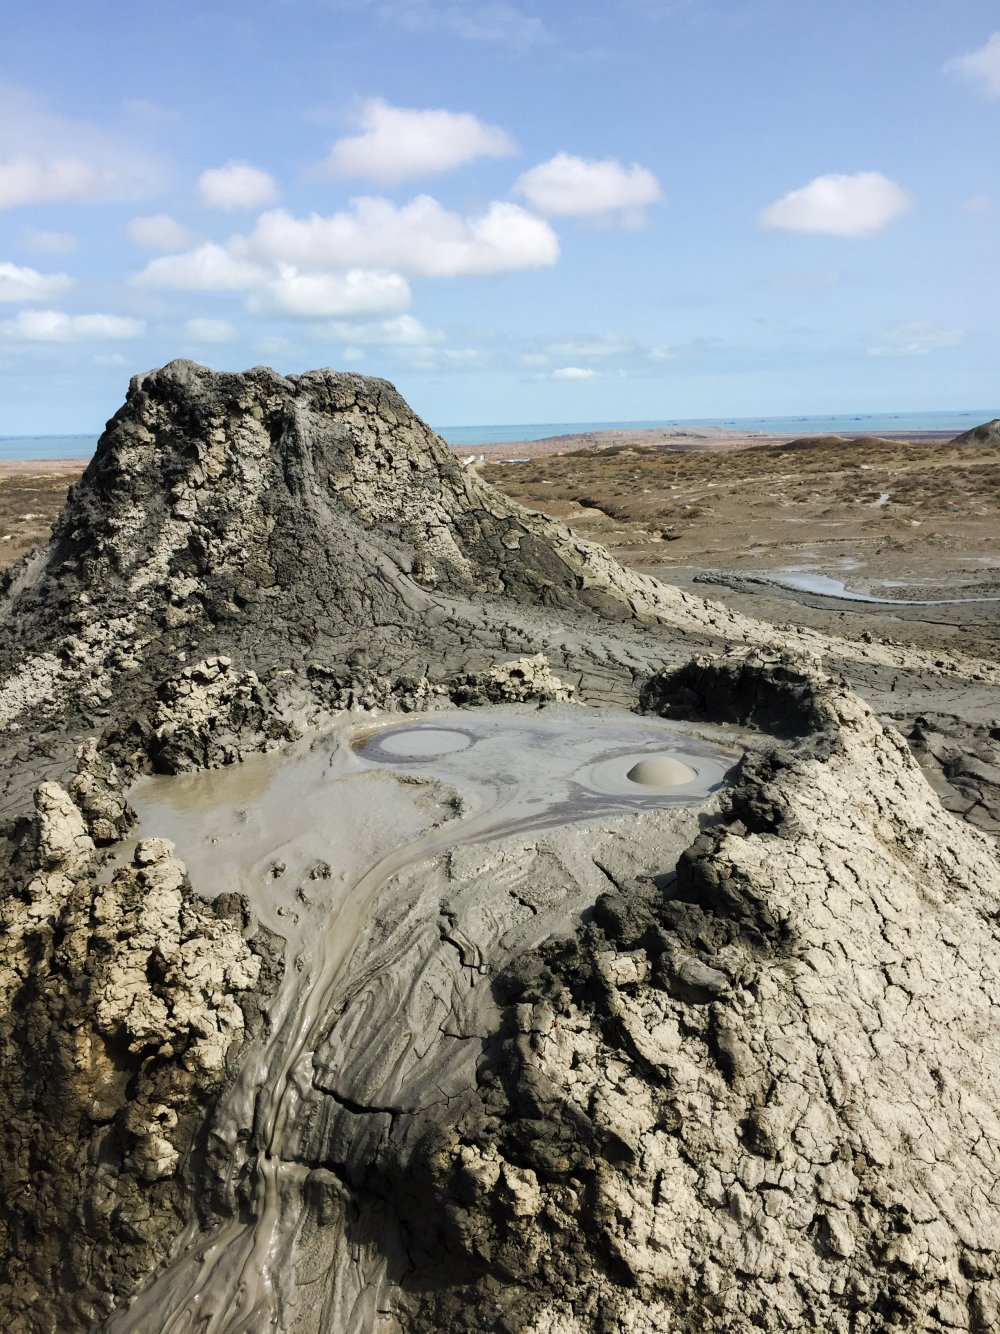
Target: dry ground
904,519
31,495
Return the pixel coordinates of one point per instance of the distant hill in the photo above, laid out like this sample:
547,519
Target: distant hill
986,434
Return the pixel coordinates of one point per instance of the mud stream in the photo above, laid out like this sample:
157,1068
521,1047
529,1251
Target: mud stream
314,838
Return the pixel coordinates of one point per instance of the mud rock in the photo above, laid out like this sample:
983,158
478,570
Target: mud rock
986,434
768,1066
769,691
98,793
580,1094
123,1003
316,533
212,715
274,522
527,679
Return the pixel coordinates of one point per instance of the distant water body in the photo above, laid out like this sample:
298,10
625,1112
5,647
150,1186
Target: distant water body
872,423
82,446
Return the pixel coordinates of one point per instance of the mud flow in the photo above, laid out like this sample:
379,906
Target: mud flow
314,838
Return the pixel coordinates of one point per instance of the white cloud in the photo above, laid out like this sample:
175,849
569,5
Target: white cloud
55,326
237,185
110,359
46,158
24,180
20,283
420,237
158,231
209,268
311,296
355,262
855,205
397,143
51,243
430,357
981,67
210,331
915,338
400,331
573,373
589,187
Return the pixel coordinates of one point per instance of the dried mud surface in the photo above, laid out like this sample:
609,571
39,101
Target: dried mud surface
730,1065
807,505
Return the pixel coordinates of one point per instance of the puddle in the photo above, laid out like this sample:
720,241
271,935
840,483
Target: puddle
825,586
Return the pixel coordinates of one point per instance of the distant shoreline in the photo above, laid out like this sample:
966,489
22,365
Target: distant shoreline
705,439
61,452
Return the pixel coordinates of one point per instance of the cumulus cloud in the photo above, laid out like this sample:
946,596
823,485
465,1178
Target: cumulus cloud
20,283
51,243
158,231
589,187
208,268
419,238
397,143
311,296
839,205
237,185
980,67
47,159
210,331
355,262
915,338
573,373
55,326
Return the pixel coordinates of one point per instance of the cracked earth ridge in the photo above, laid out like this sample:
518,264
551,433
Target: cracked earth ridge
761,1093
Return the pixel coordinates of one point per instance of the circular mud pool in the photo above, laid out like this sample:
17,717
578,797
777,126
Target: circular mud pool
572,762
427,742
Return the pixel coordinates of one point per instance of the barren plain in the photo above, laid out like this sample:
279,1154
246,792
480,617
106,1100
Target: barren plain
767,525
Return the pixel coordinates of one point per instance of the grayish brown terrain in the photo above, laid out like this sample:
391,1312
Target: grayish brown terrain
319,1017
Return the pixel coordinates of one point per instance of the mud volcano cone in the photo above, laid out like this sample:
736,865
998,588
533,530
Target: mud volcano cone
283,522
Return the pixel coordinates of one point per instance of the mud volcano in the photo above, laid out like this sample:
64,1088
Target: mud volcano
415,921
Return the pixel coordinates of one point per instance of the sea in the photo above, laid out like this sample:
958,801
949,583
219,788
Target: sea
82,446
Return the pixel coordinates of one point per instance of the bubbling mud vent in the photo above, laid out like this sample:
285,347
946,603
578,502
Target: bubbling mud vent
322,841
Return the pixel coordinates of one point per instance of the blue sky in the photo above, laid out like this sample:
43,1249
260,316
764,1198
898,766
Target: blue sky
632,209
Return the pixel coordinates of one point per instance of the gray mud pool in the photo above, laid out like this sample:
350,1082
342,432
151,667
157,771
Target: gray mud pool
346,846
334,808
